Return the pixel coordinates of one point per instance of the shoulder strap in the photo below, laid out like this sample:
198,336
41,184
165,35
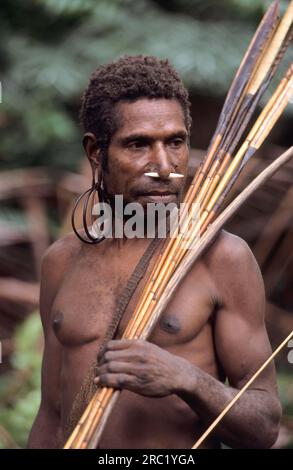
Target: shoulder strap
128,292
88,387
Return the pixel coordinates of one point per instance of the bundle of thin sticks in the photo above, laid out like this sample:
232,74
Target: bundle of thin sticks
213,180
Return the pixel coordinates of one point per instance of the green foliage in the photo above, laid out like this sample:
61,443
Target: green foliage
20,388
48,48
286,393
232,9
13,218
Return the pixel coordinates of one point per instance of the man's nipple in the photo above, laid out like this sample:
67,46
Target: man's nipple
57,322
170,323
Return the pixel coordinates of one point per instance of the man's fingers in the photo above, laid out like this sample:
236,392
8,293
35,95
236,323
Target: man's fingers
117,381
118,367
117,344
123,355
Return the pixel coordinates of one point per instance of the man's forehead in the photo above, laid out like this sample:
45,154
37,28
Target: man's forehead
149,114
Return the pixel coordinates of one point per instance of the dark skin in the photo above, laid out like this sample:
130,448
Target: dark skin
213,328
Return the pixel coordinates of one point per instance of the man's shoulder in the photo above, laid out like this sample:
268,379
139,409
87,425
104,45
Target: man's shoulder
56,262
235,278
61,254
230,248
229,255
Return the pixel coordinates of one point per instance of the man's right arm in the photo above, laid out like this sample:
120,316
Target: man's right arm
46,431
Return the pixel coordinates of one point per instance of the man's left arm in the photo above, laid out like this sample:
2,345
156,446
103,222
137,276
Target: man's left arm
242,345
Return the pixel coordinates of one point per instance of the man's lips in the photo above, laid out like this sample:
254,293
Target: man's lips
159,193
160,196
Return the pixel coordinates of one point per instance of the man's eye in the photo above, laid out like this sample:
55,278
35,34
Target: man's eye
176,143
137,145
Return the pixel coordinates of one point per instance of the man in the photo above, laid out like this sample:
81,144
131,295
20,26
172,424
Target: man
210,339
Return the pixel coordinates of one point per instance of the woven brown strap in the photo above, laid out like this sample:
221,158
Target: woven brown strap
88,387
128,292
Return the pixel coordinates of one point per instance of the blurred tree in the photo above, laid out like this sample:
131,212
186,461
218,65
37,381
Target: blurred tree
20,387
48,48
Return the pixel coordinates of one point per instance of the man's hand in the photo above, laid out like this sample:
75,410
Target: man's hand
141,367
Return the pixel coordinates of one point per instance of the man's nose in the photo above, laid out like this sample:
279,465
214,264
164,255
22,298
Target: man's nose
161,161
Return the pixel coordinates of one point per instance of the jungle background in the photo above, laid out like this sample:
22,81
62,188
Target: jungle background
48,48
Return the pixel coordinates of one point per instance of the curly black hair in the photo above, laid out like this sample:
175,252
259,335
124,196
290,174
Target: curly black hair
128,79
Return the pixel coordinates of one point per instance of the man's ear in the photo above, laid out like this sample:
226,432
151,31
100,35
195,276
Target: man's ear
91,148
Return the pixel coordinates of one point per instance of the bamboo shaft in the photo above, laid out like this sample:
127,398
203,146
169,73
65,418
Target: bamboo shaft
240,393
253,138
203,242
274,47
172,245
276,98
275,107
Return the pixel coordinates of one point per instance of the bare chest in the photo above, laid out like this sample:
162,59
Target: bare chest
86,304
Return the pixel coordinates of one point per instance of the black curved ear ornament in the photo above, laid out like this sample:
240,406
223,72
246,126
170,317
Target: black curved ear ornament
89,197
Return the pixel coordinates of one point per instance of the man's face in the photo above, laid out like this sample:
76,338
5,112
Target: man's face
152,137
